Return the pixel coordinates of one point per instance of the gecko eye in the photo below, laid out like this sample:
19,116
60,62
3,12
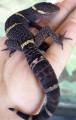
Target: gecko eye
45,8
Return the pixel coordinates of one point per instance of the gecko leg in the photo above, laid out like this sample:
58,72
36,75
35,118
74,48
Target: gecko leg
45,32
44,46
12,45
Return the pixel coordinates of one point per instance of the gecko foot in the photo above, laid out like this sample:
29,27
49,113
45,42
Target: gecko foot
11,51
61,38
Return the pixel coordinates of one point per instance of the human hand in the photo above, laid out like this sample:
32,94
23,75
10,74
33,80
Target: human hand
19,88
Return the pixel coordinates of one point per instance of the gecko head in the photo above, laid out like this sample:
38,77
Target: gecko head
45,8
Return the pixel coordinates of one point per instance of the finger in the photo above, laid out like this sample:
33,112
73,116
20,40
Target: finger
5,114
15,81
3,59
23,89
4,101
66,8
56,56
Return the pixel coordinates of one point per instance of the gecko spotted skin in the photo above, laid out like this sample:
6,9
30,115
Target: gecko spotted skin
22,39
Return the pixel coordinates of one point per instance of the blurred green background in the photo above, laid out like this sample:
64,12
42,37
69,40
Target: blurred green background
68,77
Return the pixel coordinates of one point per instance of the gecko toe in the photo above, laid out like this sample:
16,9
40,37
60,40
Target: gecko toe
4,49
11,52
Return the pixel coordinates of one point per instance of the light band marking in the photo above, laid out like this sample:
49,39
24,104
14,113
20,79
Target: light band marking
48,112
34,8
39,11
26,43
52,88
12,26
21,16
36,61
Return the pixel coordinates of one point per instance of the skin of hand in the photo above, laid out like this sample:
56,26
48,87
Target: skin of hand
18,86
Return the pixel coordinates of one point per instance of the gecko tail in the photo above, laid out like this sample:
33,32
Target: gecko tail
20,114
11,109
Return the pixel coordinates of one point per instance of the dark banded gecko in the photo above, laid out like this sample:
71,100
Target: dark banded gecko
22,39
